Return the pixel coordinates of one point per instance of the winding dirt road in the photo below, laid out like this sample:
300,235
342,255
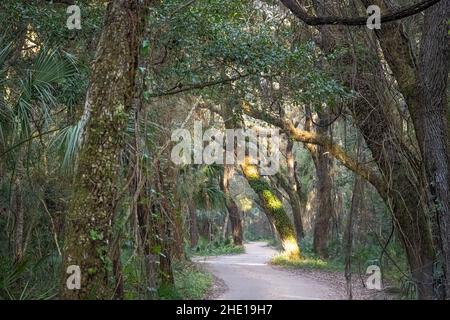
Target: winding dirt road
249,276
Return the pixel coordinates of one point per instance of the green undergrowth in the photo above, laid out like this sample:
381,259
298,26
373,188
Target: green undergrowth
191,283
30,279
305,262
216,248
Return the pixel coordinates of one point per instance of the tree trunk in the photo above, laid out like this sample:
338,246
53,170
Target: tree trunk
298,206
165,256
273,208
225,226
357,198
117,268
272,205
433,116
193,227
148,240
109,98
406,196
324,207
424,86
233,209
165,226
19,221
296,195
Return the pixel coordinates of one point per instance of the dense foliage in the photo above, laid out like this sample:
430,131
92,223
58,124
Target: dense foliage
357,182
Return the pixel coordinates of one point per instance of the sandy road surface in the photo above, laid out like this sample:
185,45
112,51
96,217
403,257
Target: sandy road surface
249,276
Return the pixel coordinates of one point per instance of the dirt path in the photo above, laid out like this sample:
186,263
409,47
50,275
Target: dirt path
249,276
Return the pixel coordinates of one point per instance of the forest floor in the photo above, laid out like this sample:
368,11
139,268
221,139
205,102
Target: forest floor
250,276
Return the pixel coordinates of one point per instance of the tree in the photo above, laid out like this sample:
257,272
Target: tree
273,206
233,210
322,163
108,101
397,50
434,116
294,190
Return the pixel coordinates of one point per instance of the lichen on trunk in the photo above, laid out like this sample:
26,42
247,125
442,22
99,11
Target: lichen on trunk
273,208
88,220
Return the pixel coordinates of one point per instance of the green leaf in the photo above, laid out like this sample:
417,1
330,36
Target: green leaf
146,96
156,249
95,235
145,49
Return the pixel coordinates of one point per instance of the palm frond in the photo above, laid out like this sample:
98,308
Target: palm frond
67,141
38,86
5,50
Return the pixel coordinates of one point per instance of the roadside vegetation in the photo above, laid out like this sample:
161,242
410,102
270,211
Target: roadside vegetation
216,248
191,283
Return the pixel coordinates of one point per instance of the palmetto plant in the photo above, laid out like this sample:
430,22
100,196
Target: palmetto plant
201,184
209,194
31,98
31,112
23,272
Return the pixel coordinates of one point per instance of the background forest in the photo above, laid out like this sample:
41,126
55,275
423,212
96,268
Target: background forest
86,123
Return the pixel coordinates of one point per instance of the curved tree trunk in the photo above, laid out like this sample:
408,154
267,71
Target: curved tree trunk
272,205
406,195
423,86
273,208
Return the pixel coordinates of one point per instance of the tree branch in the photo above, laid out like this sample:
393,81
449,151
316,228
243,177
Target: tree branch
314,138
401,13
190,87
